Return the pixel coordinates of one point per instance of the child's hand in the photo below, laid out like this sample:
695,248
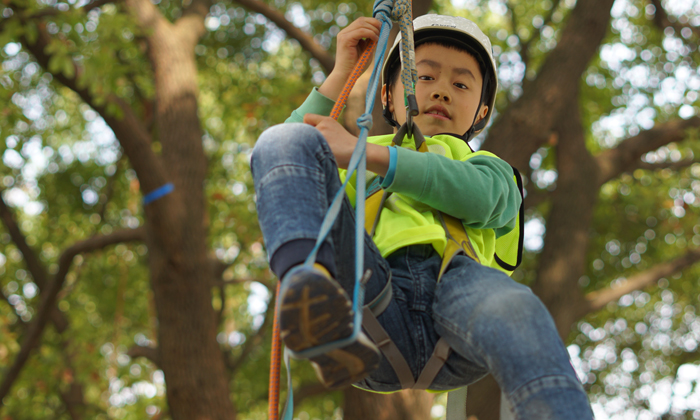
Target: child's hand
341,142
351,40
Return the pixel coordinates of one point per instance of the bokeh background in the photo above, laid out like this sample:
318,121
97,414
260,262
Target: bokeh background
115,310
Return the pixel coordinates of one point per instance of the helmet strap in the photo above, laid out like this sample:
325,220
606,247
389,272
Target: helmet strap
388,115
468,135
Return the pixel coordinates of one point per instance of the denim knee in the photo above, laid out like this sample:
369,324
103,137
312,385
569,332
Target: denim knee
554,397
474,297
513,305
496,316
284,144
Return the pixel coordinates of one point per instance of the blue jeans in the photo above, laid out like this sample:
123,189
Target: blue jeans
493,324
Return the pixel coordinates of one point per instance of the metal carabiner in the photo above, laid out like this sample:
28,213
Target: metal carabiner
411,111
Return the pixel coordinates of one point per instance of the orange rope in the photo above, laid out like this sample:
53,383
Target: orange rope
356,73
274,387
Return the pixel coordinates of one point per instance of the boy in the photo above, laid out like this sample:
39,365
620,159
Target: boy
491,323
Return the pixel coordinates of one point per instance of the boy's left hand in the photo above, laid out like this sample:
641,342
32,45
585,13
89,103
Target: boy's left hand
341,142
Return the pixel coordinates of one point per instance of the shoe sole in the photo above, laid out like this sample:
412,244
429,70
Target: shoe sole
315,310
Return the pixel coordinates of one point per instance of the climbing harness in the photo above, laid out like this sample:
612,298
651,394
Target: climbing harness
372,204
458,242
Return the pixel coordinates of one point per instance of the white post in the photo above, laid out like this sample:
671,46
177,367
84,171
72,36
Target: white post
506,414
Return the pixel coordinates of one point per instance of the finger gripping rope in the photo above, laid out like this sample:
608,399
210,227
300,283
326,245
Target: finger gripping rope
383,10
356,73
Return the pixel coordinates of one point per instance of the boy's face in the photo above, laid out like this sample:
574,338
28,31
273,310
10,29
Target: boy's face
448,91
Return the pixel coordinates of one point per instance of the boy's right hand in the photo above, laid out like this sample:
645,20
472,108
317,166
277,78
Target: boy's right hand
351,41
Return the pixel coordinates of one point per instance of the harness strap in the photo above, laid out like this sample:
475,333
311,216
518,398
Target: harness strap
373,206
457,241
456,399
437,360
386,345
383,299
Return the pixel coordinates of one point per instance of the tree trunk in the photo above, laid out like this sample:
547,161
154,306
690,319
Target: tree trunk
563,258
484,399
404,405
197,383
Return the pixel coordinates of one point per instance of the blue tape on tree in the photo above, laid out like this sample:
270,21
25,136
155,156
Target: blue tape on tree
158,193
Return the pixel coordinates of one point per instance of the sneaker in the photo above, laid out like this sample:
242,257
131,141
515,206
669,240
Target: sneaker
315,310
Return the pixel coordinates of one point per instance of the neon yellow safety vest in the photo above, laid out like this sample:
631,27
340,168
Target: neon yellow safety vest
404,221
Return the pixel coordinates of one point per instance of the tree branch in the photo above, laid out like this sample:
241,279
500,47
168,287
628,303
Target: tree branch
5,299
191,24
128,129
51,11
74,400
513,20
681,164
147,15
109,191
49,294
217,268
222,309
307,42
525,46
533,116
98,3
598,299
626,156
31,259
150,353
254,341
133,137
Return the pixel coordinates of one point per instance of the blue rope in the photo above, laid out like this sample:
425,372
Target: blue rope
383,10
358,165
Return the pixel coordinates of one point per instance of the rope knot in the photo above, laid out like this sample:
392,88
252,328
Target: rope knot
401,8
382,10
365,121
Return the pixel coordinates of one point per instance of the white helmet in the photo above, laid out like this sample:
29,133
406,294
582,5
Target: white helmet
460,32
